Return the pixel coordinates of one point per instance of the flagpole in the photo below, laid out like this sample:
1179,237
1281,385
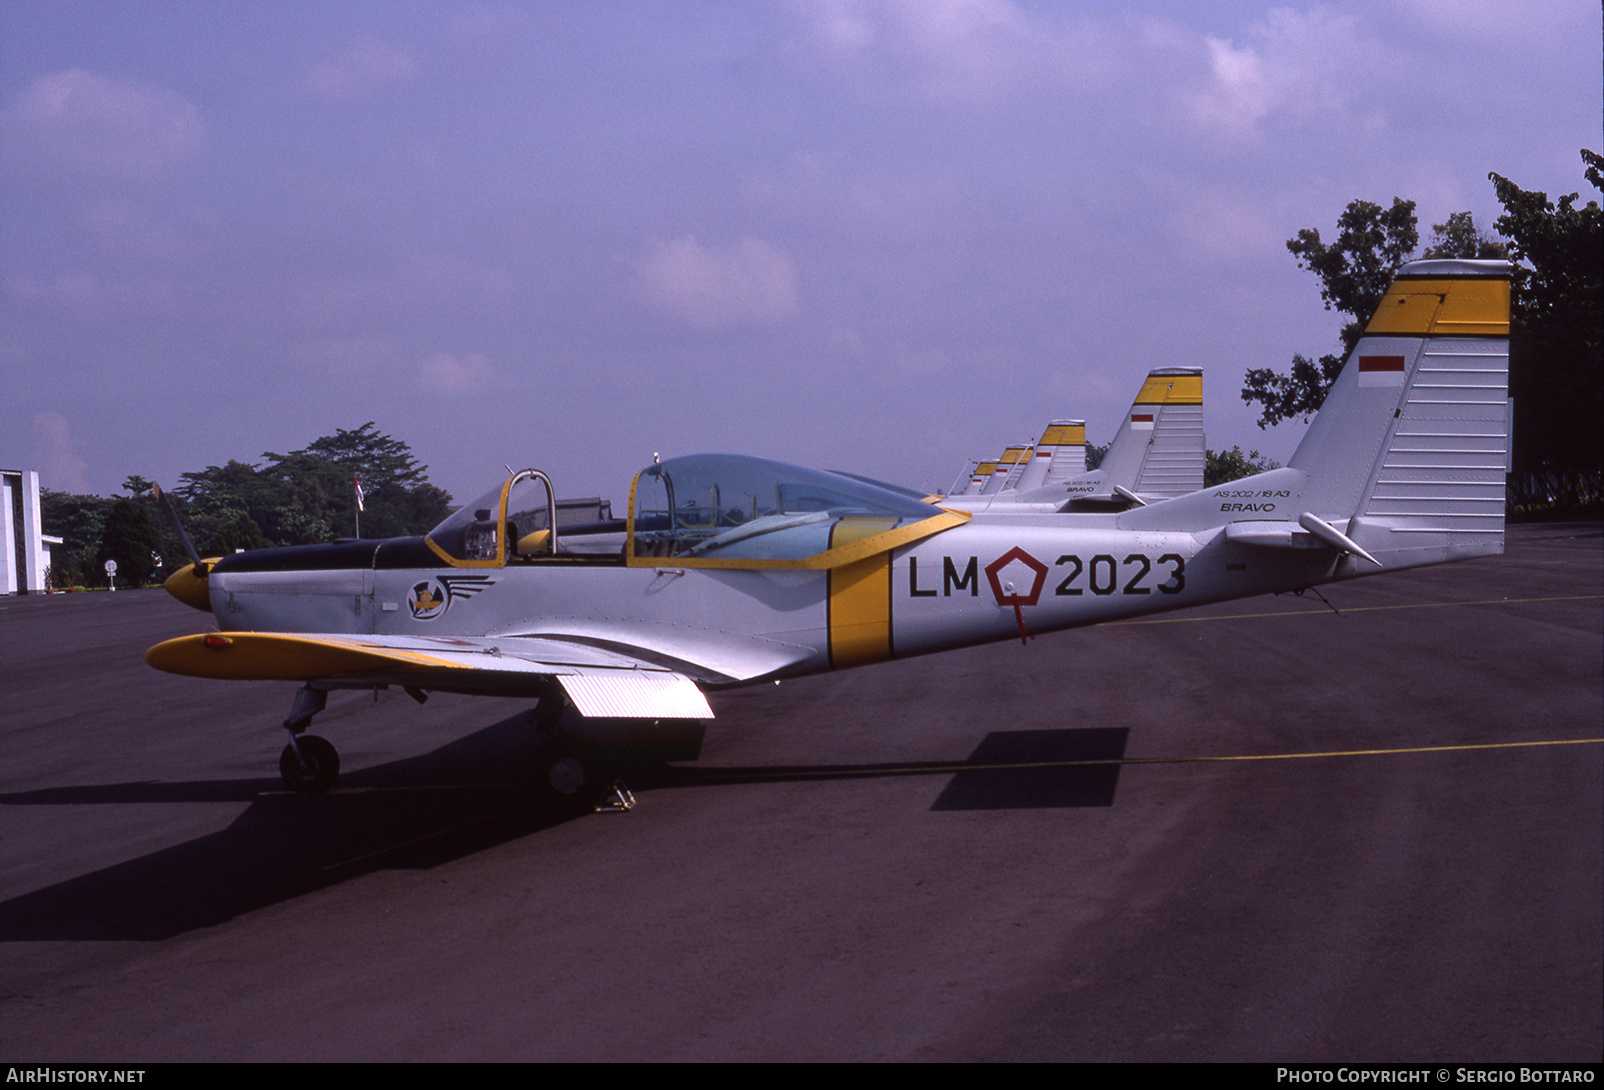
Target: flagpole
356,484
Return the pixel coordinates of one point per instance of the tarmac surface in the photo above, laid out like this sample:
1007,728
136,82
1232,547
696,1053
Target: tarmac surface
1261,830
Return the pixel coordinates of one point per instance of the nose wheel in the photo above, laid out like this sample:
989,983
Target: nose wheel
309,765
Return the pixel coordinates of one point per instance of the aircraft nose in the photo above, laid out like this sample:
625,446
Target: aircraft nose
189,586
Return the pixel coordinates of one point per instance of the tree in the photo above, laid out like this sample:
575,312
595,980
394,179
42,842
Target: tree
79,522
1460,237
241,533
1233,465
1557,342
398,496
308,496
212,500
132,540
1354,273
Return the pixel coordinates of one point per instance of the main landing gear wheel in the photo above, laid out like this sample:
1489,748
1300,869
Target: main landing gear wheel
569,773
314,769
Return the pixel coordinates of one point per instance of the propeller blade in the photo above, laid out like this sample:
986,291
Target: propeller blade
171,514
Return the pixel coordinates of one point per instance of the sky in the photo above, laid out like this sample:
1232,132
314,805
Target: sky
882,236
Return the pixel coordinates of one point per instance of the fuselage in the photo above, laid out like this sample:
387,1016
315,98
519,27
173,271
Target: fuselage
990,578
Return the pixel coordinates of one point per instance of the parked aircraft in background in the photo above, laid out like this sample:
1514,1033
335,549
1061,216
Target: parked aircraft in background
1059,454
1157,453
730,570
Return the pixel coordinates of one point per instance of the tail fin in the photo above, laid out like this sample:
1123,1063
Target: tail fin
1404,464
1158,450
1060,454
1413,439
1009,467
979,474
1156,454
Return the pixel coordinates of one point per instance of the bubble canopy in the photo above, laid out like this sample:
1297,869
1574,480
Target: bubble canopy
705,511
729,510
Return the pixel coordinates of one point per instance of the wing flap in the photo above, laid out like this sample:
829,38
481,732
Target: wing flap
635,694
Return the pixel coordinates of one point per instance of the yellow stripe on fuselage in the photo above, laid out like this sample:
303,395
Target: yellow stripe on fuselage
858,611
1437,306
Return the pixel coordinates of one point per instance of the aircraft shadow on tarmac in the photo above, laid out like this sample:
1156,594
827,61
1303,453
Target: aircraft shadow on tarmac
457,800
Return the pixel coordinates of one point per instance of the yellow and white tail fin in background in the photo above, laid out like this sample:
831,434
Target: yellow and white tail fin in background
1059,455
1158,451
1009,467
1156,454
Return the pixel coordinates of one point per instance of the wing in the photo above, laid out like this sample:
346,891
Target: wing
600,682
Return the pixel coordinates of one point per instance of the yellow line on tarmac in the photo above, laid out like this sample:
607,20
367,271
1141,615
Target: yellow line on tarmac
1325,753
1351,609
948,768
952,767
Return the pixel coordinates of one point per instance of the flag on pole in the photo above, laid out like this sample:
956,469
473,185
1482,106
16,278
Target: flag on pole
358,484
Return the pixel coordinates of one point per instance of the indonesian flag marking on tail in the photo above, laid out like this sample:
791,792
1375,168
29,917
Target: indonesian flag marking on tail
1381,370
1141,421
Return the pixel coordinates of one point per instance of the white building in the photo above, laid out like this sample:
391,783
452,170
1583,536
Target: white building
26,549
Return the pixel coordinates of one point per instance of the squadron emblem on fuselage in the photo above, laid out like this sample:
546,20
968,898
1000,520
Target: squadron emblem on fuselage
432,597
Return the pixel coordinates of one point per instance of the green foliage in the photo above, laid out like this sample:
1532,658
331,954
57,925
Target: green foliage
1356,270
1298,393
137,486
215,498
1095,455
130,538
242,533
78,521
1557,343
1233,465
308,495
1461,238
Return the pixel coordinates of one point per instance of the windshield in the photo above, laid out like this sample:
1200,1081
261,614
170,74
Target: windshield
505,522
718,506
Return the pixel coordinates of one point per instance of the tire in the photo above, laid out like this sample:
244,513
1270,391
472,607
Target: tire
569,773
321,765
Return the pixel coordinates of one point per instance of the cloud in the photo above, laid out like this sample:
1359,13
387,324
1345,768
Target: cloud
444,373
1291,65
360,68
80,122
952,50
1295,65
54,453
746,282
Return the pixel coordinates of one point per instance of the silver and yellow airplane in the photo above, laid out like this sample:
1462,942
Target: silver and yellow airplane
730,570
